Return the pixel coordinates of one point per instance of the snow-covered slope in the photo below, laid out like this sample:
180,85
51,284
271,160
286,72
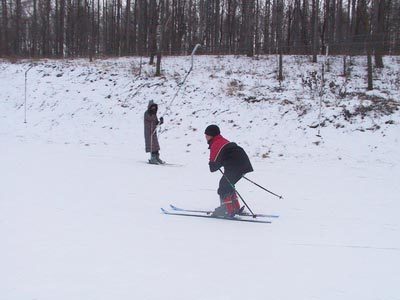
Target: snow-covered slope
79,207
103,102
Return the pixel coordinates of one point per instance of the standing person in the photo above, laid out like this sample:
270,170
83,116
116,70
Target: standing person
236,163
150,134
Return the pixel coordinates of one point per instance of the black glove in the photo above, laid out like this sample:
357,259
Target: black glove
161,120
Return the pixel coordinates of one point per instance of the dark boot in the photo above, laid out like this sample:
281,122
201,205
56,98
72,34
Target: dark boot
161,162
153,159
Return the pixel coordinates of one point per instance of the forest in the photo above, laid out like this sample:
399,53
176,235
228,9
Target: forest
104,28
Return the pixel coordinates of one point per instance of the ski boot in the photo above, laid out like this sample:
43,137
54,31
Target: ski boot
153,160
161,162
229,206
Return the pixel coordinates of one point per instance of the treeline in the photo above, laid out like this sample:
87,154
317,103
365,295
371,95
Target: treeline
71,28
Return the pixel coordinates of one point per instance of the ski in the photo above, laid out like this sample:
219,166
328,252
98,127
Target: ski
166,164
208,212
175,213
173,207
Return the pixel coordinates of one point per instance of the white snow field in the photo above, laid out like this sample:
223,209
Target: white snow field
80,211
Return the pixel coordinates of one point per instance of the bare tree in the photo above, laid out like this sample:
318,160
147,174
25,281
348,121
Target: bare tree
279,36
127,21
122,27
246,42
153,13
369,70
266,26
34,30
378,33
4,29
315,20
17,22
164,19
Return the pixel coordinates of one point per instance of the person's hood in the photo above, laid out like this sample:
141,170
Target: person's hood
151,103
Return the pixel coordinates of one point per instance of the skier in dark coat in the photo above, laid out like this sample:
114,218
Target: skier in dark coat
236,163
150,134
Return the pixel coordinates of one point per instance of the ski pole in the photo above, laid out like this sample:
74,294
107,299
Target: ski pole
155,128
280,197
227,179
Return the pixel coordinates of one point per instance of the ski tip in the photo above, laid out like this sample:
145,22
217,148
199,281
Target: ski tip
173,207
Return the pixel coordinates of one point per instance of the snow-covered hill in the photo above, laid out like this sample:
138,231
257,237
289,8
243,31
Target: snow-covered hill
103,102
79,208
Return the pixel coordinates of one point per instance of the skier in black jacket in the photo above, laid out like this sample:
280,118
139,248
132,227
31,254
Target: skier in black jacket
236,163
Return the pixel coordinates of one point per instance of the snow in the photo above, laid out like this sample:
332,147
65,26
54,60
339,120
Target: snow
80,209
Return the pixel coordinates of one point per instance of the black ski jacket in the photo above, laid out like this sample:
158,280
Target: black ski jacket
233,158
